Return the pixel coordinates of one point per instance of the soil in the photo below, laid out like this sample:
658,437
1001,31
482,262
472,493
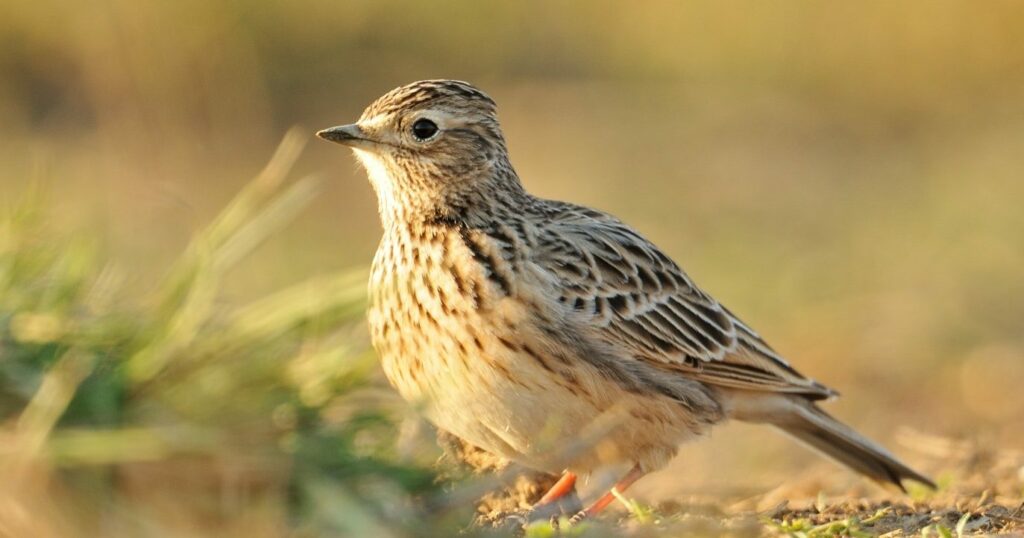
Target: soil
982,494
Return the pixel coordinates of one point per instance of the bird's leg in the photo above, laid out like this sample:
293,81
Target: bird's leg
550,504
632,476
559,490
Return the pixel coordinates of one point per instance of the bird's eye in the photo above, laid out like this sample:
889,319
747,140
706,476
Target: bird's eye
424,129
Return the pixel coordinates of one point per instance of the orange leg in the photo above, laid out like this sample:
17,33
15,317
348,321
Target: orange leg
634,474
559,490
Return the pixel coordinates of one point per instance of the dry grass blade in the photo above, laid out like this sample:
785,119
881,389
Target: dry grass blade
259,190
39,417
342,295
237,215
78,447
263,222
261,209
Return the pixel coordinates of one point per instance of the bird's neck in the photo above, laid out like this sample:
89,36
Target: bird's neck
470,202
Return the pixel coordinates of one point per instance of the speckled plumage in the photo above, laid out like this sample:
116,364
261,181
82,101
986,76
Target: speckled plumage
518,322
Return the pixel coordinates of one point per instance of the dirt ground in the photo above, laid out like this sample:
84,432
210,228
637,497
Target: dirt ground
980,494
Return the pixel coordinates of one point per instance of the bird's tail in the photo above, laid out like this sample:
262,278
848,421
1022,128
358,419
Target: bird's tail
821,431
807,422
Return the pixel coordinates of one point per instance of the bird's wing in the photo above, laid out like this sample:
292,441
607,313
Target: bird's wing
614,280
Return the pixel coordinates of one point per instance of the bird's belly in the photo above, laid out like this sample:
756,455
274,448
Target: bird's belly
503,389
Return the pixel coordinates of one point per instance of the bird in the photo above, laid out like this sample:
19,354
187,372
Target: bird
553,334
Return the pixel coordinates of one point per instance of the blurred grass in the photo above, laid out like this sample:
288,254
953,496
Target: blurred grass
846,177
223,408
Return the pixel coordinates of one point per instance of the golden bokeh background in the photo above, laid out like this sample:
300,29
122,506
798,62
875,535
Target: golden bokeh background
847,177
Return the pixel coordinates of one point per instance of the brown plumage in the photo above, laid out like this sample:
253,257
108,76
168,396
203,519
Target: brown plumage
548,333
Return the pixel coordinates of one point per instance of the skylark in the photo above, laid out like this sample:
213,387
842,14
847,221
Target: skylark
549,333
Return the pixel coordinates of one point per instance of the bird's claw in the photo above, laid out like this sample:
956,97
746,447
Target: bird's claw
580,517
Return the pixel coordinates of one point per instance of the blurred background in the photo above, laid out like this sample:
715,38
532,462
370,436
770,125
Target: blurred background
846,177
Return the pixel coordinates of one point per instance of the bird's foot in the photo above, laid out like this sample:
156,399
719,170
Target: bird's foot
580,517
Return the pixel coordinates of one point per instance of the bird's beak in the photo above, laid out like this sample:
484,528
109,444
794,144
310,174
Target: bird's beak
347,135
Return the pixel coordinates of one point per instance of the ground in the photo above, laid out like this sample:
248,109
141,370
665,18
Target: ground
981,495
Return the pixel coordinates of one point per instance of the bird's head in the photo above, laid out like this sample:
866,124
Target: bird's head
428,146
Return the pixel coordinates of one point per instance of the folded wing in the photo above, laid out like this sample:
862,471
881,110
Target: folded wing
639,300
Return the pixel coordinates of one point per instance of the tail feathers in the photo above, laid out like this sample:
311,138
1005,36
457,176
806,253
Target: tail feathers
816,428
